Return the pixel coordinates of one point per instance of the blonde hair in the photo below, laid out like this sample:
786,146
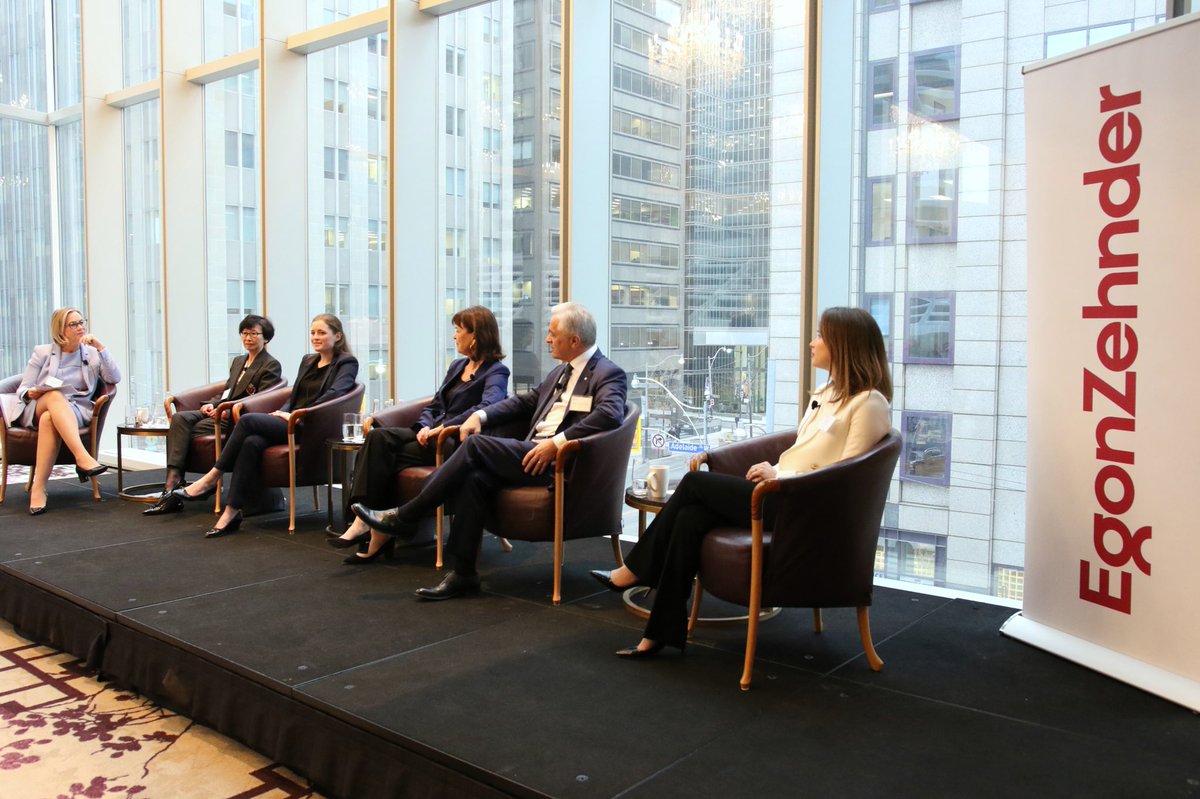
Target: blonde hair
58,324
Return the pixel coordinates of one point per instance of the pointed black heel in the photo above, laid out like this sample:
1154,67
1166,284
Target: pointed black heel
388,550
87,474
186,497
633,653
231,527
346,543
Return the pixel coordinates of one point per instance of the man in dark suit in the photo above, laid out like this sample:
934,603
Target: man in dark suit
584,395
248,374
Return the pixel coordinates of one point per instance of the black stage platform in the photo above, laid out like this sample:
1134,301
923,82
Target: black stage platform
339,673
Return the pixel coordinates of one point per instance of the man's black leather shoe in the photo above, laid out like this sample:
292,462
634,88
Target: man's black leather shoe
167,503
385,521
452,585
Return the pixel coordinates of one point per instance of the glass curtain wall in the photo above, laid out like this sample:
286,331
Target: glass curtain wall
68,78
937,254
704,112
27,290
231,178
145,374
348,200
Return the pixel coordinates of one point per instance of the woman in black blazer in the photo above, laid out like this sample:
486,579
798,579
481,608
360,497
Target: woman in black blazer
472,382
250,373
328,373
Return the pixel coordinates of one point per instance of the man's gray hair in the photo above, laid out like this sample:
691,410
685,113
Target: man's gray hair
575,320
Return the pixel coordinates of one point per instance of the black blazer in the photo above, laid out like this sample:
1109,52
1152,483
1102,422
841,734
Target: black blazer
263,373
602,380
339,380
486,387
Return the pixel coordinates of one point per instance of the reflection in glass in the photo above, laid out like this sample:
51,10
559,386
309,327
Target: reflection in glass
935,84
139,34
933,206
926,454
67,72
929,328
69,151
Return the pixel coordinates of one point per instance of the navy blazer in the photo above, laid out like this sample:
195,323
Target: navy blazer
602,380
339,380
486,387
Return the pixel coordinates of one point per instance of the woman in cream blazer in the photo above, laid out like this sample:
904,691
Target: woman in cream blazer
845,418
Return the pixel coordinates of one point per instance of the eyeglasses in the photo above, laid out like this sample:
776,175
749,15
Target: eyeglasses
82,323
250,333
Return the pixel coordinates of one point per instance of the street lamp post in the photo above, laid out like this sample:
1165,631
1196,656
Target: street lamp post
708,395
646,404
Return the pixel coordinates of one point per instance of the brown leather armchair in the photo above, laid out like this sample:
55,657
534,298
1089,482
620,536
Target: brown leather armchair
19,445
821,553
303,461
205,448
587,500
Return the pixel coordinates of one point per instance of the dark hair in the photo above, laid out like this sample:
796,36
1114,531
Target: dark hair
262,322
335,324
857,355
481,322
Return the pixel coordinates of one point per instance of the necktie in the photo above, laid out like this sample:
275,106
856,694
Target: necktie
560,386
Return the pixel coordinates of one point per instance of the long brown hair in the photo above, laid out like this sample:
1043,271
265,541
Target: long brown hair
481,322
334,324
857,355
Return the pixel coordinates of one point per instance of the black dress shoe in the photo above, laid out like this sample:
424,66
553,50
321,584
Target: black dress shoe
88,474
37,511
346,543
452,585
605,579
186,497
167,503
385,521
633,653
231,527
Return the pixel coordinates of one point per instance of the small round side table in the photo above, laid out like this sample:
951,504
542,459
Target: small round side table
345,452
144,492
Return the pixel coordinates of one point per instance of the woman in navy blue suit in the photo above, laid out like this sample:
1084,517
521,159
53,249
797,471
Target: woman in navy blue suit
328,373
472,382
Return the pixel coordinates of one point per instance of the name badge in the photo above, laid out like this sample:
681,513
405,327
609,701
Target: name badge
580,403
225,393
827,423
52,382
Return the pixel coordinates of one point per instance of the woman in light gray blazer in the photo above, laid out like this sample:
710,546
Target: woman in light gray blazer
57,390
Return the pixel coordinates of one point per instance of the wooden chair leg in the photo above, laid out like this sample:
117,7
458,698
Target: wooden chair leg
558,561
697,595
751,640
95,490
438,536
864,632
316,497
818,622
505,544
4,484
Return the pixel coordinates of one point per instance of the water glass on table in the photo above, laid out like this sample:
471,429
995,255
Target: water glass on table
352,427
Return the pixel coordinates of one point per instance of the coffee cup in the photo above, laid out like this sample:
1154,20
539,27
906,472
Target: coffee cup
656,481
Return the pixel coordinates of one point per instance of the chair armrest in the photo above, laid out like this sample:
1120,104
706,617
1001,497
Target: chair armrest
262,402
191,399
739,456
403,414
444,435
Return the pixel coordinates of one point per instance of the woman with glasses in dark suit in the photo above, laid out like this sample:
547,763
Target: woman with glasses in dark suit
57,390
329,372
248,374
473,381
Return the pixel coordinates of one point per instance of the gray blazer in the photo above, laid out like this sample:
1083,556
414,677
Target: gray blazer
97,366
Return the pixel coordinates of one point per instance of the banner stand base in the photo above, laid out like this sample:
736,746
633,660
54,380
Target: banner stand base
1129,670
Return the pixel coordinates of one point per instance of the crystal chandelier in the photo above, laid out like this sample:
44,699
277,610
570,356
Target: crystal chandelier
704,43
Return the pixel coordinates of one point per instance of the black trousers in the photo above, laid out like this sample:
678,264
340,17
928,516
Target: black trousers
386,451
242,454
667,556
467,480
184,425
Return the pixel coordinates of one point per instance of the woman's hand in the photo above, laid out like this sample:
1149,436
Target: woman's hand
759,472
206,409
284,415
33,393
88,338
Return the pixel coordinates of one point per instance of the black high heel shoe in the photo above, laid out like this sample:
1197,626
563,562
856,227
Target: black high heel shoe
231,527
346,543
186,497
633,653
388,550
88,474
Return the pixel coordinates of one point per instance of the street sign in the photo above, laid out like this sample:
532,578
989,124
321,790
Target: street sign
680,446
658,440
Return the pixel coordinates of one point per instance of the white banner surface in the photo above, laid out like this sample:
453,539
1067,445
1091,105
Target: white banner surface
1112,554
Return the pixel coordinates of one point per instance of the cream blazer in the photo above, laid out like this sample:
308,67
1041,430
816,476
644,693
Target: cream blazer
833,431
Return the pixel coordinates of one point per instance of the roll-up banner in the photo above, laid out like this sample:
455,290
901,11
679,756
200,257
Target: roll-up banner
1112,551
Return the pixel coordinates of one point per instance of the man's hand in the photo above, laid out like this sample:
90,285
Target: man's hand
537,459
429,435
470,427
206,409
759,472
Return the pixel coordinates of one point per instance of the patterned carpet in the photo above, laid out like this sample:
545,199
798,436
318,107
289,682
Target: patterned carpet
64,734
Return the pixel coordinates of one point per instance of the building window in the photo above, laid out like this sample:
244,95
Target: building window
1062,42
491,194
631,81
456,61
642,337
522,103
337,163
933,207
926,454
880,305
929,328
880,210
554,197
455,242
1008,582
522,197
644,169
911,556
555,104
933,84
522,149
631,209
881,93
456,182
456,121
645,253
555,57
555,244
883,5
647,128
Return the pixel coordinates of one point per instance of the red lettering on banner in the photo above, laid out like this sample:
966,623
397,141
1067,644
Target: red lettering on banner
1119,191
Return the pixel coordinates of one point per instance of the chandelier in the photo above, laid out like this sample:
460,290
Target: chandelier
704,43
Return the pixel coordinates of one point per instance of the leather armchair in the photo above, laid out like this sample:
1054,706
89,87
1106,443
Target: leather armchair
205,448
303,461
19,445
587,499
821,553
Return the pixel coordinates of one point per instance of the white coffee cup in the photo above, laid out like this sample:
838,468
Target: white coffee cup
656,480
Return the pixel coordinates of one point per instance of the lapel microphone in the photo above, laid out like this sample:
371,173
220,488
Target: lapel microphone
814,405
